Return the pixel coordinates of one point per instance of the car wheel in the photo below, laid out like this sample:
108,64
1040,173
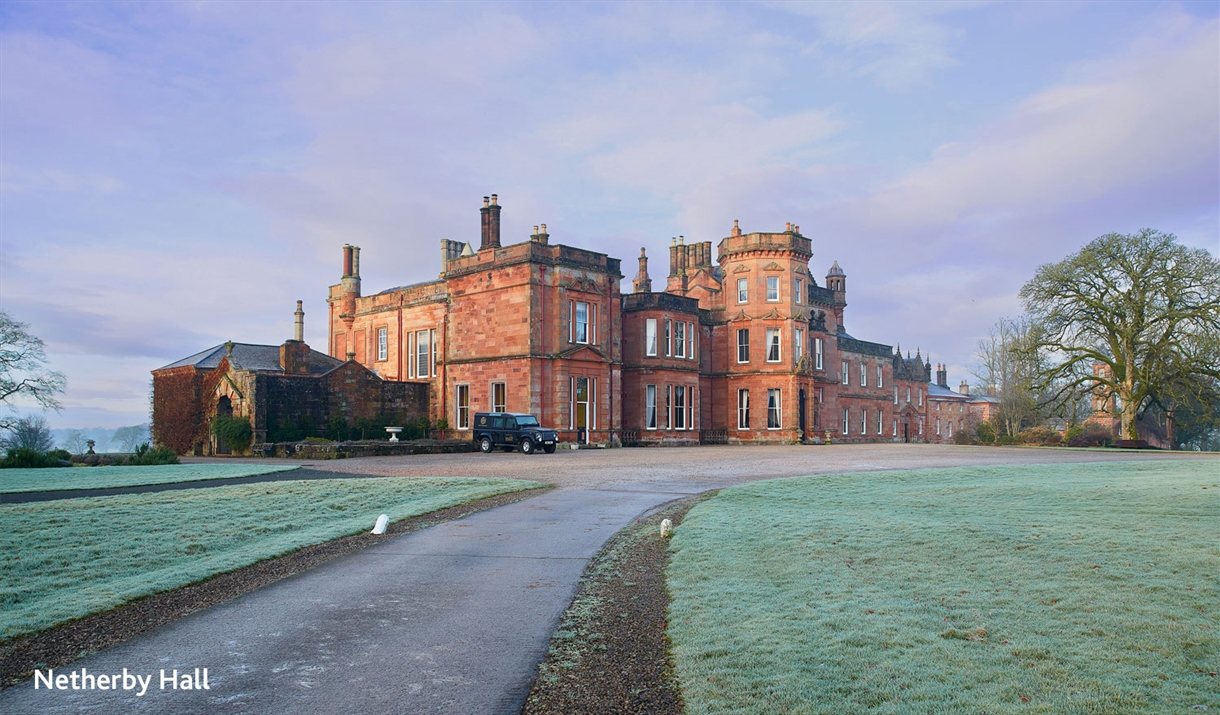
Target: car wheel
548,448
527,446
485,445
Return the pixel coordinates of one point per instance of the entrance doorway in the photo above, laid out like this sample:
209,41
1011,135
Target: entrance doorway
906,431
224,408
582,409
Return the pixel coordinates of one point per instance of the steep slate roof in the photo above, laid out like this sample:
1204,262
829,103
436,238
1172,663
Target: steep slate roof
935,390
261,358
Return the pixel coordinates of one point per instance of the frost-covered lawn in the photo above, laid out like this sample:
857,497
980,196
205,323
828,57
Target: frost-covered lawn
65,559
60,478
1090,588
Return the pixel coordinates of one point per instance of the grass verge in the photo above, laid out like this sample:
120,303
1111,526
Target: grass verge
68,558
1036,589
609,653
15,481
60,646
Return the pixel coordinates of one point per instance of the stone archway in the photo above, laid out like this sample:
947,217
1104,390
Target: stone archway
224,408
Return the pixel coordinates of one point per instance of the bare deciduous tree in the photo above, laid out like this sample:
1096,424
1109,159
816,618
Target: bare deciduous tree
1007,368
23,371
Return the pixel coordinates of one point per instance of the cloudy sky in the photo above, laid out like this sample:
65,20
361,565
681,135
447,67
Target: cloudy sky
176,175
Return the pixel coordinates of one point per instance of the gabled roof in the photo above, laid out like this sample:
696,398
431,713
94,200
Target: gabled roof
259,358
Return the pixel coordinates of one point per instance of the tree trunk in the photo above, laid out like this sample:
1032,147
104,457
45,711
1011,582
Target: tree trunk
1128,430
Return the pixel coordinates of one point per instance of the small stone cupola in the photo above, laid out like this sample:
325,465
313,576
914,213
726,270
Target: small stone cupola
836,279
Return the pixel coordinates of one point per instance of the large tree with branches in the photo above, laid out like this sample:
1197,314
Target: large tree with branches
1144,306
24,375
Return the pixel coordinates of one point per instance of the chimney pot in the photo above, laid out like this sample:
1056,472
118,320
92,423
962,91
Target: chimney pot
493,200
486,200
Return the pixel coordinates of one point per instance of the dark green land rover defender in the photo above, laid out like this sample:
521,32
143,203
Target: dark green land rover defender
512,430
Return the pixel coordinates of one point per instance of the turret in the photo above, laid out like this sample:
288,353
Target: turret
836,280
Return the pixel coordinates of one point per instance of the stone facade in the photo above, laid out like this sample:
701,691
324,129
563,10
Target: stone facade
743,346
288,392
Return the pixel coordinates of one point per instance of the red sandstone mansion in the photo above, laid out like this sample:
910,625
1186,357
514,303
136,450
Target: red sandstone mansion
742,347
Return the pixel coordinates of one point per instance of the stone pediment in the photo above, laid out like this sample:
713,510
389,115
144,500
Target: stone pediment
773,266
741,268
584,284
741,315
583,352
773,315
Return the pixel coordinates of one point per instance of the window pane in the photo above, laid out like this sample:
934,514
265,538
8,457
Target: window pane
650,407
773,409
582,322
421,353
743,290
463,411
743,409
817,353
650,337
743,345
772,344
680,339
772,288
679,407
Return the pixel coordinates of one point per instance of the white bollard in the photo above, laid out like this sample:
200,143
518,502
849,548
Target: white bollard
381,524
667,528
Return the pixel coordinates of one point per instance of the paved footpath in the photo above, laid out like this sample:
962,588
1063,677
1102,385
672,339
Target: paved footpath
455,618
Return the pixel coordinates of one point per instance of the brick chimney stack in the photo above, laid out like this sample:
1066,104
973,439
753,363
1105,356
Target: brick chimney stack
963,389
490,214
493,224
349,285
485,222
942,375
540,235
642,283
